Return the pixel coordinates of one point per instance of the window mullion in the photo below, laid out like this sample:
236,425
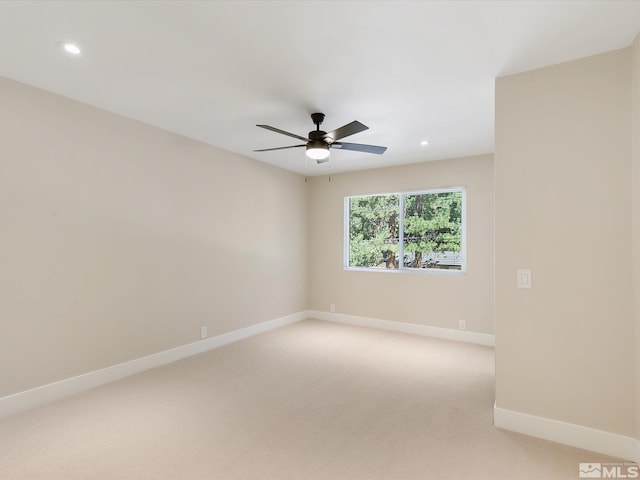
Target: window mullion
401,233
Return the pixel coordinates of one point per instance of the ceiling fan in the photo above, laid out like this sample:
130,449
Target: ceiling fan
319,142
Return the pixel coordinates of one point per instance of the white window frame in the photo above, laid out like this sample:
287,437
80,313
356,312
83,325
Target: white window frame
401,268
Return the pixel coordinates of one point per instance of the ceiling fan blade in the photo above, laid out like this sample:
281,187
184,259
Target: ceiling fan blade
346,130
279,148
359,147
277,130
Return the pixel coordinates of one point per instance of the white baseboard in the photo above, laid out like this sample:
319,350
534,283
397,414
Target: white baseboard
42,395
599,441
412,328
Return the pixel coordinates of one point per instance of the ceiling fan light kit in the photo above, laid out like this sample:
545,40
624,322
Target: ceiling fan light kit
319,142
318,150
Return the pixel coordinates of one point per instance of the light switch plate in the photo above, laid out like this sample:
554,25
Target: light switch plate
524,278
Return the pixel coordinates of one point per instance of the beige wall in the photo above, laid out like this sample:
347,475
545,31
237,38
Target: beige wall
635,52
425,299
565,348
119,240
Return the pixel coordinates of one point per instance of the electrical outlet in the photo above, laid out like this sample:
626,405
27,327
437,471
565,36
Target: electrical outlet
462,324
332,308
203,332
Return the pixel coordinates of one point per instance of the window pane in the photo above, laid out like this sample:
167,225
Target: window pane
374,231
433,230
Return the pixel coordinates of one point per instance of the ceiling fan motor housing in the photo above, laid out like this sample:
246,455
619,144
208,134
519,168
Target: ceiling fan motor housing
317,135
317,143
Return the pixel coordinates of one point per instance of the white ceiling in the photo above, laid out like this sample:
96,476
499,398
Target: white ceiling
212,70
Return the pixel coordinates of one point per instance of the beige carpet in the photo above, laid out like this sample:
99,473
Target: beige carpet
314,400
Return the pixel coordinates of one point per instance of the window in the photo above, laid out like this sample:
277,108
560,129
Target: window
425,229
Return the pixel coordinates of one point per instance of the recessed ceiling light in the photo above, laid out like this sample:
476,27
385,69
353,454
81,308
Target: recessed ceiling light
424,142
71,48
